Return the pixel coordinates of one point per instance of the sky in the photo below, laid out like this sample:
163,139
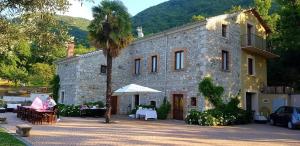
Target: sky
84,10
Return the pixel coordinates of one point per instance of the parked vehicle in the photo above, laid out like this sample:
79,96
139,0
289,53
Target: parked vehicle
286,115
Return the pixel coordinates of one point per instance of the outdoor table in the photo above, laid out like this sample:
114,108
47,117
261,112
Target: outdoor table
147,113
35,116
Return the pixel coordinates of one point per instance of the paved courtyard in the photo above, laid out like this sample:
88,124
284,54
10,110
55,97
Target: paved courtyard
91,131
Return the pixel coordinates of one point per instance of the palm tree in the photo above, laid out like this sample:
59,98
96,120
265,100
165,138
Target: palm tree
111,31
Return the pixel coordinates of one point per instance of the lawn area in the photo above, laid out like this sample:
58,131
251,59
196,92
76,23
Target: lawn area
8,140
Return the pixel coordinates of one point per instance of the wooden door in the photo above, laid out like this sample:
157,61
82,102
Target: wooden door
178,106
114,105
248,101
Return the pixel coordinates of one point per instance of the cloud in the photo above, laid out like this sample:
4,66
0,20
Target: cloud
78,10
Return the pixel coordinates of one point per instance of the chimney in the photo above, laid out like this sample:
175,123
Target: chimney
140,32
70,48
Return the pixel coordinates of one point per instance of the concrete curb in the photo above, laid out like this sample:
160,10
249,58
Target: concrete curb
27,143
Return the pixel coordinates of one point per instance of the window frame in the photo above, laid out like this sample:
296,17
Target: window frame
137,67
193,101
252,66
101,69
224,30
225,60
62,96
154,65
179,62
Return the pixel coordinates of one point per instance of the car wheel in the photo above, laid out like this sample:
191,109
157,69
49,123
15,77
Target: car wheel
272,122
291,125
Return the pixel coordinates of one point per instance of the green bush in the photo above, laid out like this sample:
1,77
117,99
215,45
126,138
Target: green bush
69,110
223,114
2,103
74,110
99,104
163,110
229,115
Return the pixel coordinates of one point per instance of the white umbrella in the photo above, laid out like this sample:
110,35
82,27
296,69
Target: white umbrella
133,89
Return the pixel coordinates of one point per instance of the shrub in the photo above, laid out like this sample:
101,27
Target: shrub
99,104
223,114
2,103
74,110
229,115
211,92
164,109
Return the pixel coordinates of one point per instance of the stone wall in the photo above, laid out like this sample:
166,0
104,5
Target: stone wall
202,44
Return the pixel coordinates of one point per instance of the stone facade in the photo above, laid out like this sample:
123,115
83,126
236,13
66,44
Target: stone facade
202,44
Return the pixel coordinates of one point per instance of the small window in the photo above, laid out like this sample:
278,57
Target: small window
137,66
193,101
154,64
179,60
62,96
250,66
153,103
225,60
103,69
224,30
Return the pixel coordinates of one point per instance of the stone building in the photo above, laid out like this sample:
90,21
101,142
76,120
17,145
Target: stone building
175,61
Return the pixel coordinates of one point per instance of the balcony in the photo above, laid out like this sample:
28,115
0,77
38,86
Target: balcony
277,90
258,45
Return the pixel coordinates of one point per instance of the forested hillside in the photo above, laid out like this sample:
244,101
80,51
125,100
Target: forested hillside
77,27
178,12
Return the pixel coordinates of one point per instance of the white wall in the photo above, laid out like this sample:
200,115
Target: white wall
10,99
295,100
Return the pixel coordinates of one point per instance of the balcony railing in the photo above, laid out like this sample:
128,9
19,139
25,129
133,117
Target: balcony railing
277,90
255,41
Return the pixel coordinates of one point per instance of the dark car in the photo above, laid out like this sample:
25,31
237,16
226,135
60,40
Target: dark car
286,115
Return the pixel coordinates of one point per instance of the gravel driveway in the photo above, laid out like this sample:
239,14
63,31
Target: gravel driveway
91,131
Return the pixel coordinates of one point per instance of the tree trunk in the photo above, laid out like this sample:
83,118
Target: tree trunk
108,88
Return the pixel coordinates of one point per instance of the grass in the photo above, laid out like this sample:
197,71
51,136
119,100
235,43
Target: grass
8,140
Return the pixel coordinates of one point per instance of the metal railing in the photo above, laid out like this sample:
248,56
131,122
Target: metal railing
255,41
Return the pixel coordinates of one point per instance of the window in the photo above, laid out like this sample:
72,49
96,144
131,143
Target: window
154,64
62,96
137,66
250,66
103,69
153,103
225,60
249,34
224,30
179,60
193,101
136,100
280,110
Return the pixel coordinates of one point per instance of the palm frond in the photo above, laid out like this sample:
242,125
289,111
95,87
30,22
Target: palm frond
119,36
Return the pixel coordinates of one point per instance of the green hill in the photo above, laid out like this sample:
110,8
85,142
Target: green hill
77,28
178,12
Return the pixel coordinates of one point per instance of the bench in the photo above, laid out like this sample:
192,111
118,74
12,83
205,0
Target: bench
3,120
23,130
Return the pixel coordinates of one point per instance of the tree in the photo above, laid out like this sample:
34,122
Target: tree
234,9
263,7
286,69
211,92
111,31
55,87
197,18
41,74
